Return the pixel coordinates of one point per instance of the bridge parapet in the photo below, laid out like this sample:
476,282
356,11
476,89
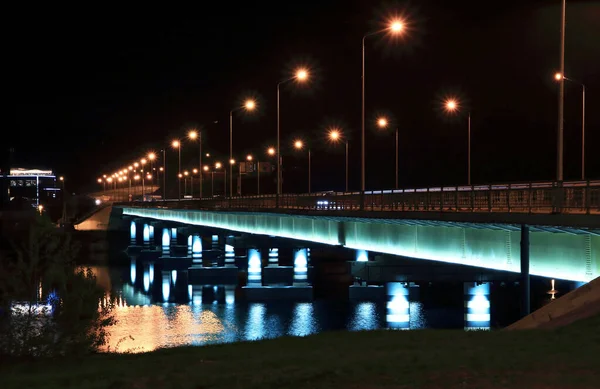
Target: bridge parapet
568,203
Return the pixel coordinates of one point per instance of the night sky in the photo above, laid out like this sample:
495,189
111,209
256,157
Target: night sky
96,88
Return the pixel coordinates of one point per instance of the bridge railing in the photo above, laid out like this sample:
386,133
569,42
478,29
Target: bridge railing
573,197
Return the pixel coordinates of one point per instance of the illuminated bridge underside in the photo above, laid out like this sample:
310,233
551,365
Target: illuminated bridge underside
562,255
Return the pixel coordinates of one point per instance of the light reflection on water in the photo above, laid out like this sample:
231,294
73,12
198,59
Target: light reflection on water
162,310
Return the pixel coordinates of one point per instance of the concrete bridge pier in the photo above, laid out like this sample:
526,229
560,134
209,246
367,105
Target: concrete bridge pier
132,233
146,234
477,305
397,305
254,267
196,250
166,242
229,255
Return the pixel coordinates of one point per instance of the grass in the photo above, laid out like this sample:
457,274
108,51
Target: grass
564,358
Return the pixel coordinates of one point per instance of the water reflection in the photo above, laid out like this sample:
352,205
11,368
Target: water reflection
159,307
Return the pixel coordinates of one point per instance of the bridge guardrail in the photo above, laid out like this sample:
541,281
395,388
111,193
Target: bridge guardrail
572,197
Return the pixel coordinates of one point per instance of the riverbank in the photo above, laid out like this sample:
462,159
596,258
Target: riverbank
563,358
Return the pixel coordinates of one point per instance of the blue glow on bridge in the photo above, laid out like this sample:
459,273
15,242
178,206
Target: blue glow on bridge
555,255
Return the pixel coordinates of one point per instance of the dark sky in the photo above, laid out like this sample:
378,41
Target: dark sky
95,88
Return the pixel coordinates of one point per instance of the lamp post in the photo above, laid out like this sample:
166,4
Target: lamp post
395,27
270,152
249,105
249,158
193,135
218,165
559,77
452,105
299,145
206,169
177,145
561,95
335,135
301,75
64,207
164,173
382,122
194,171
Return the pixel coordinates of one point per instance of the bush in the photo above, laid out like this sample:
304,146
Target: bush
48,307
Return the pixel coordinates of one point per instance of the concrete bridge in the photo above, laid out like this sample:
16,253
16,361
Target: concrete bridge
543,229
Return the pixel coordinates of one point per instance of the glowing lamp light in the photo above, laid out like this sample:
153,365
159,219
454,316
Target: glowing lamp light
218,165
232,161
249,157
151,156
558,76
99,180
271,151
334,135
451,105
301,74
298,144
194,170
396,26
175,144
382,122
192,135
250,105
205,168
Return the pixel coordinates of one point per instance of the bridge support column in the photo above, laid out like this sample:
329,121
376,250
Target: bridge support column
229,255
151,233
197,250
525,282
166,242
173,236
362,256
189,246
133,233
300,266
273,257
397,307
214,242
477,305
146,234
254,268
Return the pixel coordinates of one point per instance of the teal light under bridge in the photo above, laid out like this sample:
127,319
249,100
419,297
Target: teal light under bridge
554,255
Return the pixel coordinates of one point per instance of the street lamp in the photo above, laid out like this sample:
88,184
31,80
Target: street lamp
299,145
451,106
395,27
151,158
177,145
559,77
382,122
335,136
561,95
218,165
301,75
249,105
193,135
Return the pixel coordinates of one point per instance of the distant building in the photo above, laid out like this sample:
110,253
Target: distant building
35,186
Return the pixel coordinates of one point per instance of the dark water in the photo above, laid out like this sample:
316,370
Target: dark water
215,314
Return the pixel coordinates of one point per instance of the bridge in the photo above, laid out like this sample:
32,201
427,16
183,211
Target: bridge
546,229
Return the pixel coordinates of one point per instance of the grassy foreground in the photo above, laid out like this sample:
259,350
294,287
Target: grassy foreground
563,358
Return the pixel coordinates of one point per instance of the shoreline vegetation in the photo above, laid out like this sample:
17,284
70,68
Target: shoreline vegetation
562,358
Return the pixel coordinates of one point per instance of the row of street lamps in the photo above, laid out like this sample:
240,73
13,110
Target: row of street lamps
451,105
